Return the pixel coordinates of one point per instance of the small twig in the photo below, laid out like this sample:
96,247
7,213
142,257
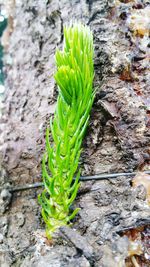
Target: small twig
109,176
82,178
26,187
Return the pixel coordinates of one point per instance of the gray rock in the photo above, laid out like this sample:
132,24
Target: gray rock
20,219
6,195
78,241
5,200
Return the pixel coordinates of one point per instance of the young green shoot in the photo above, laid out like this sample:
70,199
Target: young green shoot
60,164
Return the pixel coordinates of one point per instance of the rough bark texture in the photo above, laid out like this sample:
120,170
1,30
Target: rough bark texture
117,138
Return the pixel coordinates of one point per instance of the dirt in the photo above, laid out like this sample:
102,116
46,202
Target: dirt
117,139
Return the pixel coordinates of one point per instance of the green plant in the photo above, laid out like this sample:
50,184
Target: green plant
74,77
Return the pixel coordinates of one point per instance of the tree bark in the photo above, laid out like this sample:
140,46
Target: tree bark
117,139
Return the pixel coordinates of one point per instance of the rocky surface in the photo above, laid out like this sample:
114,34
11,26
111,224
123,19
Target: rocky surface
117,138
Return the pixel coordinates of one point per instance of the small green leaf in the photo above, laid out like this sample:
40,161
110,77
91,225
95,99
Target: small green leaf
74,213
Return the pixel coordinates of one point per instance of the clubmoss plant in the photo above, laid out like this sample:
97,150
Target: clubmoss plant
74,77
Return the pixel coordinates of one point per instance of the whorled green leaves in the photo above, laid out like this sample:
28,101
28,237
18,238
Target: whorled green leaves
74,78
